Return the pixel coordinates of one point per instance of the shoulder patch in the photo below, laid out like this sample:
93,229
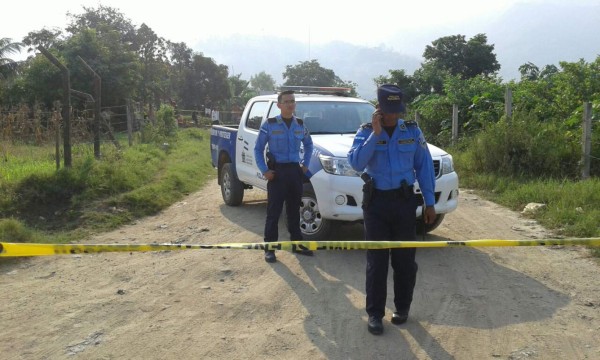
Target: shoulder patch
422,141
300,121
366,126
272,120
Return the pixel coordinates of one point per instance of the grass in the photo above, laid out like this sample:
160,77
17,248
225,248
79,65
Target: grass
571,206
41,204
19,162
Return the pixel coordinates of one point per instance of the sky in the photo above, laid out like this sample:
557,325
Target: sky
311,21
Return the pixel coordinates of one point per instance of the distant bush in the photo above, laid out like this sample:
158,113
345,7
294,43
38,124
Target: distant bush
525,147
163,129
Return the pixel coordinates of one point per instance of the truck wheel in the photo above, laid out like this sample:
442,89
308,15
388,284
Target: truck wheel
429,227
231,188
312,225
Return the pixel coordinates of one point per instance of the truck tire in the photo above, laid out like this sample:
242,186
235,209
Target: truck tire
312,225
232,189
429,227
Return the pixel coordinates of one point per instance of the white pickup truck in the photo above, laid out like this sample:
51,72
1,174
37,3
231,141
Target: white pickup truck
333,194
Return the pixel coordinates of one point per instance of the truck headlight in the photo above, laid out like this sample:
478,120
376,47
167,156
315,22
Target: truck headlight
447,164
337,166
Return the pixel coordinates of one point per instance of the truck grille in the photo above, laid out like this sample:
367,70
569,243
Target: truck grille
436,168
420,198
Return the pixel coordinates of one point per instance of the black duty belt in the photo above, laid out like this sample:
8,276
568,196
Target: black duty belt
399,192
287,165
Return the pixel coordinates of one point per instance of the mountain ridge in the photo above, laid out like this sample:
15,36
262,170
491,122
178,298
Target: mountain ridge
537,33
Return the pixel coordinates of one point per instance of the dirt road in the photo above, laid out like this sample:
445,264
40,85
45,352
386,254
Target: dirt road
484,303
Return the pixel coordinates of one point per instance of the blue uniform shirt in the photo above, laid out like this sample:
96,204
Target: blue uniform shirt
388,161
284,142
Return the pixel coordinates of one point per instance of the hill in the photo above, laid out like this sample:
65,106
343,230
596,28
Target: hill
527,32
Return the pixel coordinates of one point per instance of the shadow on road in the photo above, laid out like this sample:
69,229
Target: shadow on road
456,287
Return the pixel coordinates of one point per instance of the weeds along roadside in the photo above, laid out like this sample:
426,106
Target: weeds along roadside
41,204
571,205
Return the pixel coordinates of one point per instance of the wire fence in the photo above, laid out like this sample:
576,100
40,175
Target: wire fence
37,127
34,126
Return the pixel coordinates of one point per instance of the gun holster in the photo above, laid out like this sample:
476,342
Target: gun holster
368,188
406,190
270,161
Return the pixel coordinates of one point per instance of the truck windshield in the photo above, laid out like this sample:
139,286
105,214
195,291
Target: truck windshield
328,117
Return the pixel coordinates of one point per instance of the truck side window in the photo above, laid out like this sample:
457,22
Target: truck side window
257,113
274,111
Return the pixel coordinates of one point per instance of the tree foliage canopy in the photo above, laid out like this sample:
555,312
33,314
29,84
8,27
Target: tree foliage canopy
133,62
309,73
8,66
262,82
462,57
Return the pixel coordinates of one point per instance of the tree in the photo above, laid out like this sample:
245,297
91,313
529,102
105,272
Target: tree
104,19
113,60
262,82
429,79
309,73
459,57
151,50
40,83
578,82
240,93
205,82
48,38
237,85
8,66
529,71
548,71
480,58
180,61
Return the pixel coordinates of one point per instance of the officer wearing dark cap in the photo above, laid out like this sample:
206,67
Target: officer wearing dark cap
393,153
284,134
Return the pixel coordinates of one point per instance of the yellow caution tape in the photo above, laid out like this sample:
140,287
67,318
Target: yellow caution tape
30,249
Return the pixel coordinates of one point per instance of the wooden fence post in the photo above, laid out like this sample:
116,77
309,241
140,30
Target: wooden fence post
454,124
587,140
508,104
97,103
66,110
56,118
130,115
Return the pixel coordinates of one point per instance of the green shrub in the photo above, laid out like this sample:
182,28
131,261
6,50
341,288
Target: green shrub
163,130
525,147
13,231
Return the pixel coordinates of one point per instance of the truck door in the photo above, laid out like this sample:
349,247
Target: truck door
244,150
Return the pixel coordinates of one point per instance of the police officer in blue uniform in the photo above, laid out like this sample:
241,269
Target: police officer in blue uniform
393,152
283,134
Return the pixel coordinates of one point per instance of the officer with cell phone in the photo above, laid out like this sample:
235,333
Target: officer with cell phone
393,154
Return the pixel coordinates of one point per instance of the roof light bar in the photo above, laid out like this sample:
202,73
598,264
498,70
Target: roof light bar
317,90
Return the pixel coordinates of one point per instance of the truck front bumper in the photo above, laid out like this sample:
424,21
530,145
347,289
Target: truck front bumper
340,197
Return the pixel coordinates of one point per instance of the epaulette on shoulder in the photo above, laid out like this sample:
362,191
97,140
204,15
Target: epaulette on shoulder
366,126
300,121
410,123
272,120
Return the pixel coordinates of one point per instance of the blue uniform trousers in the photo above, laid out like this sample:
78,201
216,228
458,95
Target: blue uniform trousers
390,216
285,187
